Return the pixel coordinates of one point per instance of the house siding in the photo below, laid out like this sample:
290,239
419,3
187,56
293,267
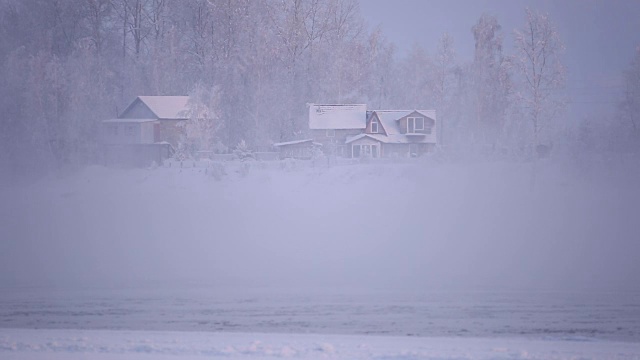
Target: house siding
341,135
121,133
396,150
381,129
146,133
171,131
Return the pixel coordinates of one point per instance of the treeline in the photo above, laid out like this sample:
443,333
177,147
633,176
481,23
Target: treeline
255,64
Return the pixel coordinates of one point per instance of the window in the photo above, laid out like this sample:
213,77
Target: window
355,151
415,123
364,151
113,130
419,123
374,126
331,133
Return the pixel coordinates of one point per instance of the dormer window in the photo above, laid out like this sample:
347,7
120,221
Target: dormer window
414,124
331,133
374,126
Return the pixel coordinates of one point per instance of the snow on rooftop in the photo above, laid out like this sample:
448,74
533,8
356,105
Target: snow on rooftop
113,121
357,137
338,116
167,107
294,142
394,139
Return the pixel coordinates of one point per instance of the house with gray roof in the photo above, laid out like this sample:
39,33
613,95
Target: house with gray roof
148,120
352,131
147,130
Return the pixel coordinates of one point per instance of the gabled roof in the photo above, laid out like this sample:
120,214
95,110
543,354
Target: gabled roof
337,117
164,107
389,118
360,136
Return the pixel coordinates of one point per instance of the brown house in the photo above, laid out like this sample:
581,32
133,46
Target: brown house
352,131
147,130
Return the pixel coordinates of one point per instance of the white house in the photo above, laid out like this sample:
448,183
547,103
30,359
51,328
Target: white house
352,131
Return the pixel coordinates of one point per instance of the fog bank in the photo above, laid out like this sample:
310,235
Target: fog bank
417,226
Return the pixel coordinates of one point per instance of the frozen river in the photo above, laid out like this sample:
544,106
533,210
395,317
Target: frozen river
547,315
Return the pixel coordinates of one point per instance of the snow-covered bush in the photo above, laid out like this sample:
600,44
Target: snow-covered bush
243,152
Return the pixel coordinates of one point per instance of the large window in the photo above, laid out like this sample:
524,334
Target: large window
415,124
331,133
364,151
113,130
374,126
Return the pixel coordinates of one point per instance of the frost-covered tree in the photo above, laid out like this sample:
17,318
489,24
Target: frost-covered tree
204,119
542,75
444,81
65,65
380,71
242,151
492,80
416,89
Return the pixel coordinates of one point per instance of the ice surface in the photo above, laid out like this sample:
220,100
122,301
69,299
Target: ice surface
560,316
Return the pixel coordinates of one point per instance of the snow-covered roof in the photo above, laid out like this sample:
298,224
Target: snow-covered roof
112,121
404,139
294,142
395,139
338,116
166,107
357,137
389,118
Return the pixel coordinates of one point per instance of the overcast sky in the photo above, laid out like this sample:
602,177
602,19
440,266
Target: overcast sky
600,36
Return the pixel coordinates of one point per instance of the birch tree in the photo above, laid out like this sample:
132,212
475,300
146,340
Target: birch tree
539,49
444,78
416,90
492,80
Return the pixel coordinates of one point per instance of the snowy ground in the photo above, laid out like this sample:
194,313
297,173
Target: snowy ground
549,315
101,344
